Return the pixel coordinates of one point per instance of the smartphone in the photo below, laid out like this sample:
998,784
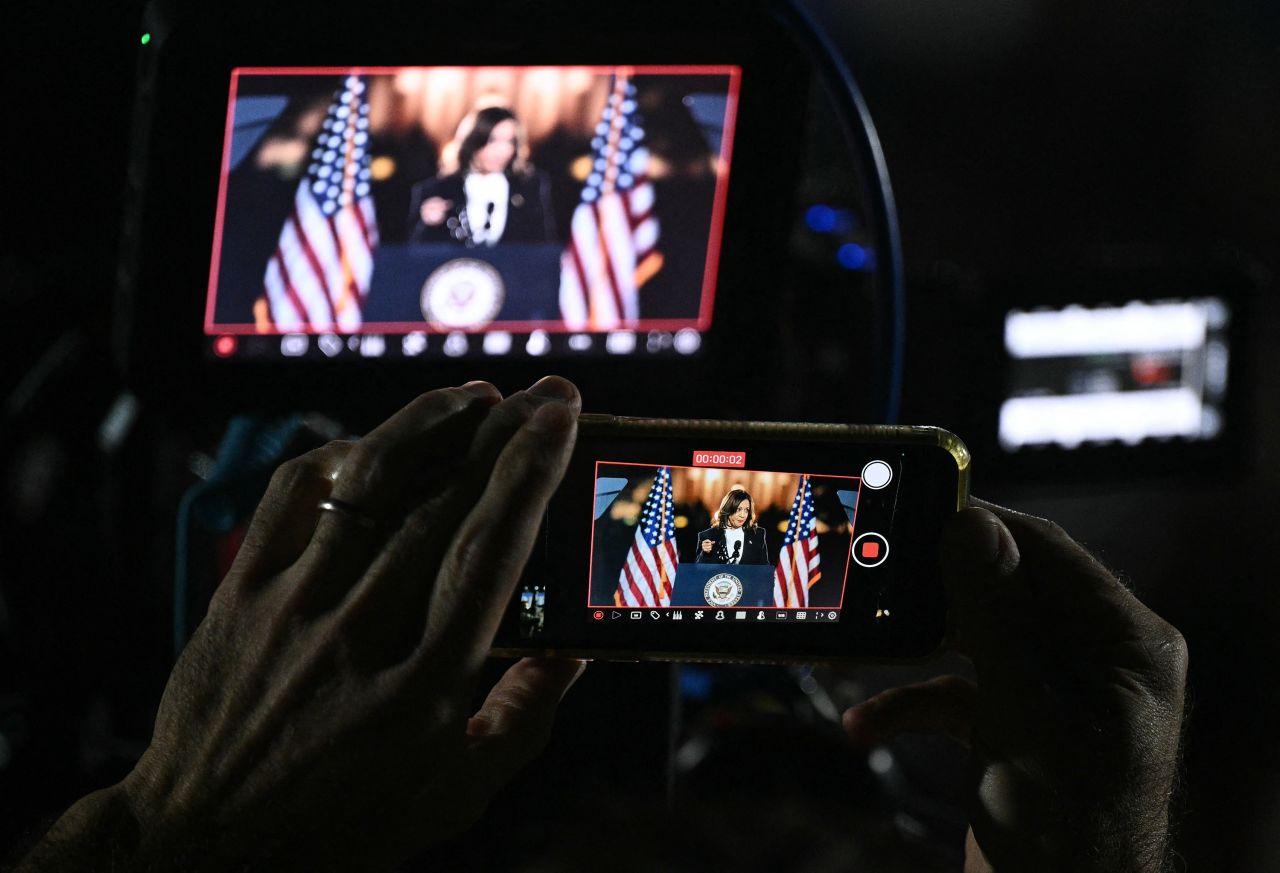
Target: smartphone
688,540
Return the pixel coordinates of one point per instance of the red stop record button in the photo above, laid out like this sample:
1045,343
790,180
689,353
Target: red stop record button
719,459
224,346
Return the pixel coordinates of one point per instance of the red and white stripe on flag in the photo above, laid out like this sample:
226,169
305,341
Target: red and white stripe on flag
319,275
649,572
599,269
613,239
798,567
648,575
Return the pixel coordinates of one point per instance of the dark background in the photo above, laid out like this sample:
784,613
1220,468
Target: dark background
1023,140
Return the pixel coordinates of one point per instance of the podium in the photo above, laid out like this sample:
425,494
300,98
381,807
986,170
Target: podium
691,583
528,286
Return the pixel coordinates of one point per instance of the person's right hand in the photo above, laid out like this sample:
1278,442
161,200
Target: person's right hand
706,546
1075,722
434,209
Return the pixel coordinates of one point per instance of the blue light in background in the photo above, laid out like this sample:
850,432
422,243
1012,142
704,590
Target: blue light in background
696,683
852,256
820,218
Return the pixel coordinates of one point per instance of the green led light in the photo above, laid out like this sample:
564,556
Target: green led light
146,38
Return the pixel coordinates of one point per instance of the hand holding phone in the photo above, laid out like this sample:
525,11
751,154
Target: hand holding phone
1081,703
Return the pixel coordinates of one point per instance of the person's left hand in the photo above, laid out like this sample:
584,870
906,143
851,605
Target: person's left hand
318,719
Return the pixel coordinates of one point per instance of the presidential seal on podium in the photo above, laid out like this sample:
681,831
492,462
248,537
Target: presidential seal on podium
723,589
462,294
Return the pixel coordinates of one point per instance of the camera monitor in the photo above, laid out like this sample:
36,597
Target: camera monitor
402,212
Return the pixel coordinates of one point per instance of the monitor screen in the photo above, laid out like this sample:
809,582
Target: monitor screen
408,212
1120,374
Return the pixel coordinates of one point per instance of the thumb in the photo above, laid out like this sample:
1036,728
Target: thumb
989,600
514,723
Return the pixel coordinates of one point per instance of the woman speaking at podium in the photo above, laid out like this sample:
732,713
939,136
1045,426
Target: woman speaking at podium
488,193
735,538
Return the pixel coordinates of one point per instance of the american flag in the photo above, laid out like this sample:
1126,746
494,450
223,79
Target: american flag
797,569
611,251
650,570
318,277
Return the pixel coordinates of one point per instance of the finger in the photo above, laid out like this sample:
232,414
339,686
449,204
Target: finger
1064,580
514,724
980,560
1069,579
996,618
943,705
492,545
393,456
287,515
510,729
381,473
388,609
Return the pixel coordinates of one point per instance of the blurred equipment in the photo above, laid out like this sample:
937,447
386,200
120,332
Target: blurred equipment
1107,374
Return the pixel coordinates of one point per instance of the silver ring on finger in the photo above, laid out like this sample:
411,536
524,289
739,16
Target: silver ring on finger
349,511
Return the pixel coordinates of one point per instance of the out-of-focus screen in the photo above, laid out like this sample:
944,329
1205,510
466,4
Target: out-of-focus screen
1144,370
469,211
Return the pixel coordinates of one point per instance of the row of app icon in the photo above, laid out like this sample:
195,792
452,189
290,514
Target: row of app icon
715,614
457,343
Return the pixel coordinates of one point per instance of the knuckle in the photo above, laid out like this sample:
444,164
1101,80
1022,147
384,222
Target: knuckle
470,553
309,466
291,474
512,412
446,400
1051,530
366,467
423,523
532,458
333,450
1168,651
228,597
1161,671
439,710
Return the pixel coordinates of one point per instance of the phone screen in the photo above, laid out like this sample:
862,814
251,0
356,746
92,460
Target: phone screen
726,543
676,545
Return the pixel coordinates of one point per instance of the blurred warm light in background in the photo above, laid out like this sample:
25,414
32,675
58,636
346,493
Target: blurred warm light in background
382,168
438,98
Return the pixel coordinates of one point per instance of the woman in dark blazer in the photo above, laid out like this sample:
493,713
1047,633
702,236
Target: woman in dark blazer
492,196
735,539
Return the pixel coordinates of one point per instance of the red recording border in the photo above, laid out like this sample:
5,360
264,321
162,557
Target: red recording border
848,559
714,235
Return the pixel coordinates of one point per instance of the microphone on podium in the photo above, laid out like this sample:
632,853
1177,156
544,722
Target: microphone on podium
737,547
